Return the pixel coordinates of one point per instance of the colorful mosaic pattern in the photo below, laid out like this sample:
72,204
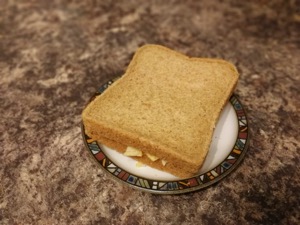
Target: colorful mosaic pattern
179,186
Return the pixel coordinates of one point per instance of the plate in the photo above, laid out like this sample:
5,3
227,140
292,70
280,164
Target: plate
228,148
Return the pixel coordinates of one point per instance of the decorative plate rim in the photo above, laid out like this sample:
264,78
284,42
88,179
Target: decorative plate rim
180,186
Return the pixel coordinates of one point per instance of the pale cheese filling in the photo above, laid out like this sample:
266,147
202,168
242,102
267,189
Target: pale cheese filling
130,151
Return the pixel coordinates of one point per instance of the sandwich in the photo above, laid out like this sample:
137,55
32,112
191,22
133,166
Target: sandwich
162,112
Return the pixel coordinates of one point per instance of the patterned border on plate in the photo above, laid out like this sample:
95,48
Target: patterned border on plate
197,182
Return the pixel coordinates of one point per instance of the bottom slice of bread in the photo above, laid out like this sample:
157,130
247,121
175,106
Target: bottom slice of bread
170,167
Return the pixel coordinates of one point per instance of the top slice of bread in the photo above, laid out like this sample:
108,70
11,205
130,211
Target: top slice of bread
166,104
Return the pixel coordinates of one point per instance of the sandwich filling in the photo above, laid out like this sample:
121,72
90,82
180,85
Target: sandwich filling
134,152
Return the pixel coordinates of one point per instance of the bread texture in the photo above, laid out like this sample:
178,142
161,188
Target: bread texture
166,104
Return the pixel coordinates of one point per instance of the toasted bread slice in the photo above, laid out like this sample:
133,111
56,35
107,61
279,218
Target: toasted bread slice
166,105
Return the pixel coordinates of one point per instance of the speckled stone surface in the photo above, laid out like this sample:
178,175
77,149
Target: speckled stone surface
55,54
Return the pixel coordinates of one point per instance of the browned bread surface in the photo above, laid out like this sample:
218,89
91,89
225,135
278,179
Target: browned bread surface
166,104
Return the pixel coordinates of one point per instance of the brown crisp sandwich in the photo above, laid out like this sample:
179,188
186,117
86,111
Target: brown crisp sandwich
163,110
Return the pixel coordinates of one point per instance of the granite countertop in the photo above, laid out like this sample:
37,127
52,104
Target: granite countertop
55,54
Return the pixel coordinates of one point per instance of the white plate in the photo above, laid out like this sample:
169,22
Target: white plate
228,147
